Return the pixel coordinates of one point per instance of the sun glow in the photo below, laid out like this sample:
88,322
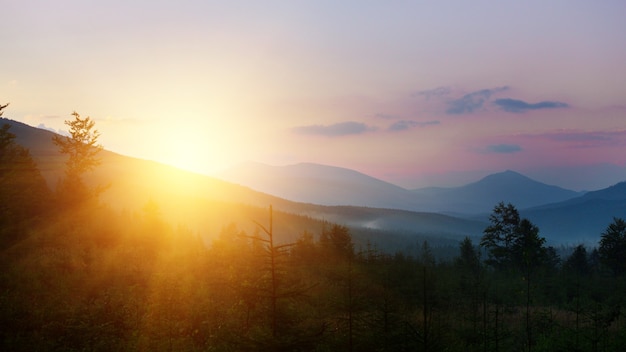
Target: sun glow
203,149
188,154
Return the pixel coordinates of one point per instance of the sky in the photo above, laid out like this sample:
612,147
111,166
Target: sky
417,93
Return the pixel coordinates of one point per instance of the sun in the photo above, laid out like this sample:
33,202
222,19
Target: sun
201,141
198,148
188,151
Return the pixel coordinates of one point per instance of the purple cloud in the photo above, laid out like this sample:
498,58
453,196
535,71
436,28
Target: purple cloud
334,130
519,106
590,139
471,102
437,92
503,148
408,124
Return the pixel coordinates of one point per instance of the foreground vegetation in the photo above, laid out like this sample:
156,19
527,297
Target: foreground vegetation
77,275
93,279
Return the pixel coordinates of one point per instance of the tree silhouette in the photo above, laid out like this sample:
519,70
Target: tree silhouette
472,288
24,194
514,245
279,288
613,246
578,261
2,107
528,250
337,241
577,265
82,149
529,253
499,237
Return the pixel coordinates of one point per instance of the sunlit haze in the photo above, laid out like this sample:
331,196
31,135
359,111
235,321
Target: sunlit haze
414,93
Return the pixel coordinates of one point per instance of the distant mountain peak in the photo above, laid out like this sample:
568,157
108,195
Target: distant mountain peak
321,184
508,173
511,172
504,178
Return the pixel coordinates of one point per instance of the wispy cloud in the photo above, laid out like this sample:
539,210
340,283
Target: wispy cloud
437,92
472,102
408,124
334,130
520,106
589,139
503,148
386,116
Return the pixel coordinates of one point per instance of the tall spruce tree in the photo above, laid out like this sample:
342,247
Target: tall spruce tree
514,245
613,247
82,150
499,237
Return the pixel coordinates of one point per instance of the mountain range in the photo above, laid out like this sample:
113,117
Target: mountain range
563,215
328,185
577,219
312,195
207,205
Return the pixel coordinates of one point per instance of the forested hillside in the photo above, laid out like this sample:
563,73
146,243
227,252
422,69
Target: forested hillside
206,204
80,274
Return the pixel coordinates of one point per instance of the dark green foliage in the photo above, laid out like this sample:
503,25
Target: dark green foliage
471,295
337,240
613,247
500,236
528,251
278,290
514,243
578,261
24,195
469,258
94,279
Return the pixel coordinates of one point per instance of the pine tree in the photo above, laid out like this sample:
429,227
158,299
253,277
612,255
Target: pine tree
499,237
277,289
82,150
613,246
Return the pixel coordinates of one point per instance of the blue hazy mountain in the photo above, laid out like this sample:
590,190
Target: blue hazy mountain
581,219
328,185
481,196
321,184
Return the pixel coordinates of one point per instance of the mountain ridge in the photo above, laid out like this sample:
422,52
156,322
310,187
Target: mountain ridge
581,218
507,186
320,184
208,204
327,185
188,197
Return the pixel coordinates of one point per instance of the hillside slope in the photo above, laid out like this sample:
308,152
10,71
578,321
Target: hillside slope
328,185
321,184
207,204
580,219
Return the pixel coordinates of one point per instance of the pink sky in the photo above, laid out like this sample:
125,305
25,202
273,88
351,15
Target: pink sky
415,93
